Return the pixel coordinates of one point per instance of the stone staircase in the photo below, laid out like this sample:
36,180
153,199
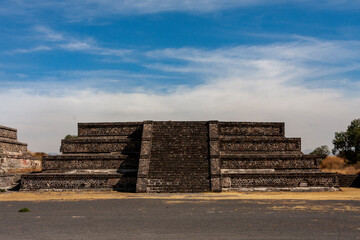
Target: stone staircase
179,157
103,156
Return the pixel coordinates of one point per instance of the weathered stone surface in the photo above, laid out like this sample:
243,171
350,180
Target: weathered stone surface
351,180
9,145
285,161
251,128
261,144
88,158
119,144
234,181
144,161
58,181
179,157
215,168
131,129
8,181
90,161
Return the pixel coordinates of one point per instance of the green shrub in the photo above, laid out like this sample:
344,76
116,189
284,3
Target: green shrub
70,136
24,210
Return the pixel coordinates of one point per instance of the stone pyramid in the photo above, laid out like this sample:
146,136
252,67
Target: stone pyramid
181,156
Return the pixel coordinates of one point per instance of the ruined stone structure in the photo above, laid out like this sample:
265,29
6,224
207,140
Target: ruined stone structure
14,158
167,156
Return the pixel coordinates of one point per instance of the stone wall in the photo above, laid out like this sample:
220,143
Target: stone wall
86,161
277,161
251,128
119,182
131,129
231,182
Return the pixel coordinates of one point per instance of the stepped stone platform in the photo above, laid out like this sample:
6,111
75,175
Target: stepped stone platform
180,156
14,158
14,155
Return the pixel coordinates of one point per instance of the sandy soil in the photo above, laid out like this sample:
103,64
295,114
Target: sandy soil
345,194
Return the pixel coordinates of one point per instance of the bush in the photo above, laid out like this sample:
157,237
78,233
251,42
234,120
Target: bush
24,210
70,136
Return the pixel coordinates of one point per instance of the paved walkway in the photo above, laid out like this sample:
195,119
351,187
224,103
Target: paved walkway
180,217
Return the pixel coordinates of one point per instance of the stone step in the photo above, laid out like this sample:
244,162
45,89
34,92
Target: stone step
226,138
6,132
252,128
90,161
11,140
12,145
268,170
92,171
79,181
178,184
100,139
270,161
100,145
260,144
131,129
236,182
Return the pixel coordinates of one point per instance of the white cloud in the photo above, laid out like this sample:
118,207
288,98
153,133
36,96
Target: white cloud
245,83
53,40
30,50
87,9
48,34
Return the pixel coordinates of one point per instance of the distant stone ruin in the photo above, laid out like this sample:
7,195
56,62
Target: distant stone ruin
174,156
14,158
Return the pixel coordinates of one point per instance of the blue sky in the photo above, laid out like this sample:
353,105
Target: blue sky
63,62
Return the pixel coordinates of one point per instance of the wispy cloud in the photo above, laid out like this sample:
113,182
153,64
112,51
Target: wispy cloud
30,50
302,60
48,34
245,83
85,9
53,40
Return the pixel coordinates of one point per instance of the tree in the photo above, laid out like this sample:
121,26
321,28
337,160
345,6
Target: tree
347,144
322,151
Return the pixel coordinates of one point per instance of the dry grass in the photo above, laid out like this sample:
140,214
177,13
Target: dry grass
339,165
38,155
352,194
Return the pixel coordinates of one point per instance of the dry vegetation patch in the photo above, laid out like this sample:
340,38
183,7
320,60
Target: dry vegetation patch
339,165
352,194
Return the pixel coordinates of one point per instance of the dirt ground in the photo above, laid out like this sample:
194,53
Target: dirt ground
346,194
